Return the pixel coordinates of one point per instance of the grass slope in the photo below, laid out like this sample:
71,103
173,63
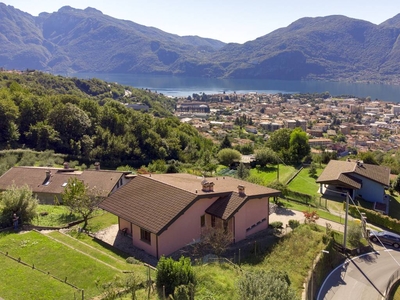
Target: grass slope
304,183
53,257
266,175
20,282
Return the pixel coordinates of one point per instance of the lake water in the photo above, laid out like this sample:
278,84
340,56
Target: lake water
185,86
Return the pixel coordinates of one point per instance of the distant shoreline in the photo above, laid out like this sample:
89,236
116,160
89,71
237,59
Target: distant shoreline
176,86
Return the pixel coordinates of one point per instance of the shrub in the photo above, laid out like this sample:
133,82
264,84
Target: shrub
276,224
132,261
294,224
354,234
171,274
19,200
262,284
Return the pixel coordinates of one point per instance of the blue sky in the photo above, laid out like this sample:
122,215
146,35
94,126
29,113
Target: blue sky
226,20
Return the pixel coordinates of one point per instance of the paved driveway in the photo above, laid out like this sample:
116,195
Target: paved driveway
364,277
284,215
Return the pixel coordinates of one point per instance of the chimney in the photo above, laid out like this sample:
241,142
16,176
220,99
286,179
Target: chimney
241,190
205,185
97,166
66,165
47,179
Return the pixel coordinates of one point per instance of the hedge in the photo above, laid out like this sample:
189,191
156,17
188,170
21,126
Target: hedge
376,218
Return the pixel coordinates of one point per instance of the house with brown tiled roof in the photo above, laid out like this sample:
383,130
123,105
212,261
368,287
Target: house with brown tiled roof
165,212
49,183
359,179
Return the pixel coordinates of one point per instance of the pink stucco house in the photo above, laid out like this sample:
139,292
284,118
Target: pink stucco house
165,212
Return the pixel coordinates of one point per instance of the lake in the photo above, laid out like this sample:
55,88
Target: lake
184,86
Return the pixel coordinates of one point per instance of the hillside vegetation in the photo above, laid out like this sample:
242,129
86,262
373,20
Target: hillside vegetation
87,120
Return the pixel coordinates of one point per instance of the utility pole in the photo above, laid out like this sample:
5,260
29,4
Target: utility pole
345,221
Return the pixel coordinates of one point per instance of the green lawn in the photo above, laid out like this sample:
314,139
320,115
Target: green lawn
54,216
59,216
101,221
59,260
20,282
96,252
266,175
304,183
216,281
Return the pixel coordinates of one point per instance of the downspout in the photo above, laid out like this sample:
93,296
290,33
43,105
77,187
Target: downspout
131,230
157,247
234,229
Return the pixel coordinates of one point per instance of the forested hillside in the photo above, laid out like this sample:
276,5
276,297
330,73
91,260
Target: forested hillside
89,121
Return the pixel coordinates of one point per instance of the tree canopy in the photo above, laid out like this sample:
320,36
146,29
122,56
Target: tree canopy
89,120
81,199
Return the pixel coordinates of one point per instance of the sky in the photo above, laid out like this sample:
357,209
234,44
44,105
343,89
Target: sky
225,20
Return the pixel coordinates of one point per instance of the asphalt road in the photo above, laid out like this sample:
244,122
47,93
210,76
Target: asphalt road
364,277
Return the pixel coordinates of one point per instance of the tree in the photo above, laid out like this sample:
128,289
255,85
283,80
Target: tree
396,184
317,158
313,170
226,143
263,285
18,200
228,156
42,136
70,121
172,274
279,139
215,240
368,158
9,113
266,156
81,199
242,171
298,145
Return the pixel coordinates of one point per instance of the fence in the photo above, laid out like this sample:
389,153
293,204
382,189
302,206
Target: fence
78,290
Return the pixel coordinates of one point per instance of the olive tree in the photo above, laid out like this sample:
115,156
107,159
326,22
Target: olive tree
81,199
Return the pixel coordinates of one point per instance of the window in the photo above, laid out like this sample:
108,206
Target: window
203,220
145,236
212,221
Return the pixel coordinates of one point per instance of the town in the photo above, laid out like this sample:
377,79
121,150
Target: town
339,124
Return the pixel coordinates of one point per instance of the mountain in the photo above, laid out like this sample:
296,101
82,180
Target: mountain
75,40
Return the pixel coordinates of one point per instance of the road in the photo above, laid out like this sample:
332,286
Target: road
364,277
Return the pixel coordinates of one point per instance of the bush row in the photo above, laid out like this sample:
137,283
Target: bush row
376,218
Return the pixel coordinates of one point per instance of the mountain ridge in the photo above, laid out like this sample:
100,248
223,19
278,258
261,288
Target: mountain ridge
86,40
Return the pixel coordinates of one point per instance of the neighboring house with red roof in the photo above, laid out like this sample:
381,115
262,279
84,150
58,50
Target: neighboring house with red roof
360,180
165,212
49,183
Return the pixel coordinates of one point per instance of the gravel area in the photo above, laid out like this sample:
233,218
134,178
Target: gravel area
116,238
